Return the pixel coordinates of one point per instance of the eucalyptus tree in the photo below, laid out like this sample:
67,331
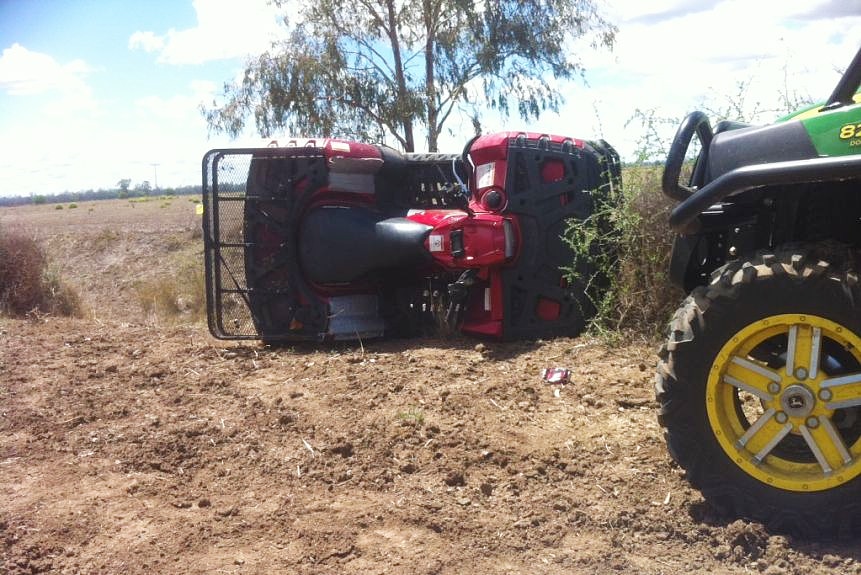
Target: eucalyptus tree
399,69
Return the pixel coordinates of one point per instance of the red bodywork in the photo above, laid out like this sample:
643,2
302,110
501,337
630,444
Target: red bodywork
483,241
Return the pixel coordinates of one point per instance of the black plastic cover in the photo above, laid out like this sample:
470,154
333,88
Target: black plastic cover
544,210
731,149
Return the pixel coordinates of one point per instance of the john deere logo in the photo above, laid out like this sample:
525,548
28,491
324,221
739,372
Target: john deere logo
797,401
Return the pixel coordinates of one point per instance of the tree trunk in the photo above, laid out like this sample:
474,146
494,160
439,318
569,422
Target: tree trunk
403,96
430,18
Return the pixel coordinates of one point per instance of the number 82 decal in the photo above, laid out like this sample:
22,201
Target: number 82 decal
849,131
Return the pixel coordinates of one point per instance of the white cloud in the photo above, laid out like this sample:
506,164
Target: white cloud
26,73
674,57
146,41
180,106
225,29
703,47
662,11
831,9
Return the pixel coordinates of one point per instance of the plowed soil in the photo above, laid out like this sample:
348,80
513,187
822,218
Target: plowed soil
136,444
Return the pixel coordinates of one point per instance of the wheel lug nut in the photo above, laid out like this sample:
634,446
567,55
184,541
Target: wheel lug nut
801,373
812,422
781,417
773,387
825,394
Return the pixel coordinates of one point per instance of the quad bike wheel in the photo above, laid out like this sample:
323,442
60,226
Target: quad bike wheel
760,388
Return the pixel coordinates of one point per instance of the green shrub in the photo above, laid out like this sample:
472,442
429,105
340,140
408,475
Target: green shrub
28,284
628,241
639,295
58,207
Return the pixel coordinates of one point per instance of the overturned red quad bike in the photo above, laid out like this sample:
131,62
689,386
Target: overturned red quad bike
338,240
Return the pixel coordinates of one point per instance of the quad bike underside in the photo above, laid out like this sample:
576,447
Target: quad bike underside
342,240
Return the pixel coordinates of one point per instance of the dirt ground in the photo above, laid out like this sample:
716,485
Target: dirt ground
134,444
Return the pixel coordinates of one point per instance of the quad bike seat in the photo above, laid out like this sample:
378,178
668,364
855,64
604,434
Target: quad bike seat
341,244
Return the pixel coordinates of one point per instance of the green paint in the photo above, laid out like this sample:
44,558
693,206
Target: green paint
825,130
799,112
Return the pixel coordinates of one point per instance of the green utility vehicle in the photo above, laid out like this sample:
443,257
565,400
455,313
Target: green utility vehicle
760,378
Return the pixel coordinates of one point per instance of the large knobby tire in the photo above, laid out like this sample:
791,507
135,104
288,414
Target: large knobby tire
760,387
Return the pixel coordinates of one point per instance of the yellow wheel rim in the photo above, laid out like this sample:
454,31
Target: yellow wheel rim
784,401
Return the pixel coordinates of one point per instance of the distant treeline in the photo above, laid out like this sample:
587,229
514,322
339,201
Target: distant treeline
90,195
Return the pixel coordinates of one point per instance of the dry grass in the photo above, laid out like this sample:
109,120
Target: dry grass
643,296
180,297
105,239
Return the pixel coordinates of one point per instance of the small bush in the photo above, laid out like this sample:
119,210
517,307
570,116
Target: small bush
175,242
28,284
636,293
630,257
73,206
640,295
21,265
58,207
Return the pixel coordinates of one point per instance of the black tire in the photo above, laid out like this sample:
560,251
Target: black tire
283,307
695,363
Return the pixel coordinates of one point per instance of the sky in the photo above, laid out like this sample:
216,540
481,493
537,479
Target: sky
95,91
